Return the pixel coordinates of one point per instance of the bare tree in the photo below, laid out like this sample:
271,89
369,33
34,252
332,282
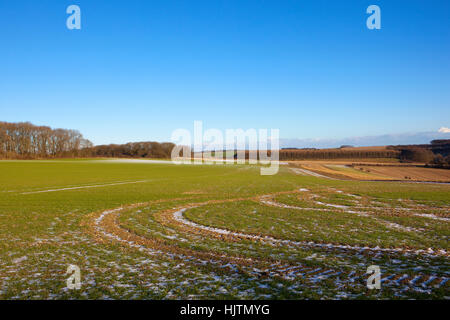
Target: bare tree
26,141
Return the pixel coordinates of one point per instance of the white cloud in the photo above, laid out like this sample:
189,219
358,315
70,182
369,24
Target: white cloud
444,130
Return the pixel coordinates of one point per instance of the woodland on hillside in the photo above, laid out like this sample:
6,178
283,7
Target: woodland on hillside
27,141
24,140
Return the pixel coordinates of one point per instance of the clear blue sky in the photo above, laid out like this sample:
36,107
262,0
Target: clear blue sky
137,70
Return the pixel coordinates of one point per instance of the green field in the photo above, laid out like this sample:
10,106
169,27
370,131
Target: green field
164,231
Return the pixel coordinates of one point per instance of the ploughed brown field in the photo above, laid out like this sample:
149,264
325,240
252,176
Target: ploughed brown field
374,171
410,173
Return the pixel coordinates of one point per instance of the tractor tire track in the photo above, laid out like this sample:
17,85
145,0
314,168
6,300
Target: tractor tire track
105,225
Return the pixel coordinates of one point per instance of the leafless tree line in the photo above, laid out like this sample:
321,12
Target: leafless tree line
134,150
326,154
26,141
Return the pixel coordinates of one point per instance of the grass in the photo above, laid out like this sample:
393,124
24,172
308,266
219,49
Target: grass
330,227
43,229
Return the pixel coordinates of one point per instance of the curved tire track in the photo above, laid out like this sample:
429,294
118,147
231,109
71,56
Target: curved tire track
105,225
